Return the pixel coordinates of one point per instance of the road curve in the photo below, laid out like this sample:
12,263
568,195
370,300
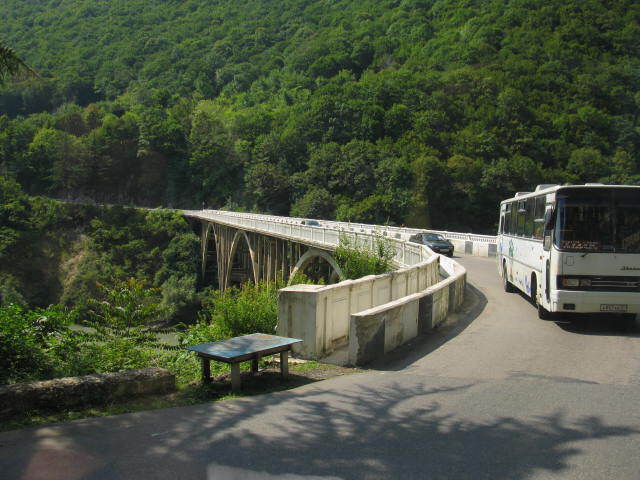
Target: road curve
495,393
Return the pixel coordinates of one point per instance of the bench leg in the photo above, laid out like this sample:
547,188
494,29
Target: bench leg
254,364
206,370
235,377
284,364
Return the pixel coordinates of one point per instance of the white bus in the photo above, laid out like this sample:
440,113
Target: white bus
573,248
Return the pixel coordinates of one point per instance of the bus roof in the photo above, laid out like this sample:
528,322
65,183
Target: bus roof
546,189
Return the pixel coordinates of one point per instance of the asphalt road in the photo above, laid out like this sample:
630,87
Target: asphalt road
497,394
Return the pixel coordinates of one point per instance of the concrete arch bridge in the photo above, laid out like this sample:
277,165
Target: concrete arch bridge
237,247
358,320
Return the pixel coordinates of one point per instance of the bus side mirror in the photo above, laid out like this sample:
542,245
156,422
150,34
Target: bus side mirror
548,227
548,215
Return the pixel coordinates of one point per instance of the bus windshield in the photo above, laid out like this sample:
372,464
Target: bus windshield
598,220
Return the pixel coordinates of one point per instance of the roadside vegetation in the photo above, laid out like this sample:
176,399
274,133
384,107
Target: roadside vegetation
87,289
359,260
41,344
97,289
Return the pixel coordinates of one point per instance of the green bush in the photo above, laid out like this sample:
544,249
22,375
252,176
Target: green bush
358,261
25,339
121,338
127,304
236,311
180,300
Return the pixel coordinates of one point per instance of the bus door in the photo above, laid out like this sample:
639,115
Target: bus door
545,258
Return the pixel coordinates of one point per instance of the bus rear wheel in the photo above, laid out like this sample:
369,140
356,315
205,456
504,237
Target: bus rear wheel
506,284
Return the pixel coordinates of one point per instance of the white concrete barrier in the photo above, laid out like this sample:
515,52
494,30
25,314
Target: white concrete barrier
377,331
320,315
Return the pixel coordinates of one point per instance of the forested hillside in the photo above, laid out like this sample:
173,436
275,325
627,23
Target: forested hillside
418,112
62,253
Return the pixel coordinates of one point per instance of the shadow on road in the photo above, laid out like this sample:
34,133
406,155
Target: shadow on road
592,324
390,431
403,356
599,324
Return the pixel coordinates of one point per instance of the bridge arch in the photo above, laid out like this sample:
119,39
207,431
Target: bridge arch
253,270
210,250
309,256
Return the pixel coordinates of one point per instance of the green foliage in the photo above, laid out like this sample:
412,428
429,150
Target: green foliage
316,203
358,260
252,308
249,309
40,344
126,305
11,64
52,252
25,338
300,278
119,336
417,113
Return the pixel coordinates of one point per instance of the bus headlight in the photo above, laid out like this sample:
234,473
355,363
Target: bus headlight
570,282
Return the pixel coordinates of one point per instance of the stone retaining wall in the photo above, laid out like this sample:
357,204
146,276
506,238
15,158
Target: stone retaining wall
72,392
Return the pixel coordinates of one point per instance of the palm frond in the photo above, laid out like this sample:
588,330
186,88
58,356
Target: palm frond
11,64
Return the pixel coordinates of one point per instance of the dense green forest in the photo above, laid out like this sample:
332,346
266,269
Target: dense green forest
419,112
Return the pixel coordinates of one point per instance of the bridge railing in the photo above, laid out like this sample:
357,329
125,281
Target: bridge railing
326,235
469,243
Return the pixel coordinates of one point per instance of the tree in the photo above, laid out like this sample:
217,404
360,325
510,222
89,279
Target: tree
11,64
316,203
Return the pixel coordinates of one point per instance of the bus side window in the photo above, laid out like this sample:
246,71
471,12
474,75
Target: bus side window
514,218
538,222
528,226
506,223
521,217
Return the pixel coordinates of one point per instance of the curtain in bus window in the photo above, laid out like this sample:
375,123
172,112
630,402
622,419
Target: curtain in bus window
627,208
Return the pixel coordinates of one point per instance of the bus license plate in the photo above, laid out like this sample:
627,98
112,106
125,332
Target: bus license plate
612,307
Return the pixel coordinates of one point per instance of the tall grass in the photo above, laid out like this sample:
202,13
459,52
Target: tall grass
358,261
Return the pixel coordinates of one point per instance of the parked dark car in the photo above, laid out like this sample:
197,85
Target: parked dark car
435,242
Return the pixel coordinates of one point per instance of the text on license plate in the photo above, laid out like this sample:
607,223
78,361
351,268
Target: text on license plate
612,307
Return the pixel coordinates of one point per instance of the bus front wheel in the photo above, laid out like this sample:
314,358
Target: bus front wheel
506,284
543,313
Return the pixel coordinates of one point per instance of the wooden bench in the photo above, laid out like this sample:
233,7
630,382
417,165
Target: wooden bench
241,349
